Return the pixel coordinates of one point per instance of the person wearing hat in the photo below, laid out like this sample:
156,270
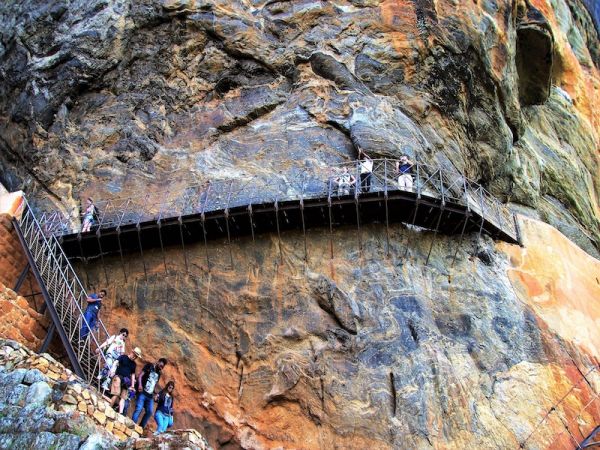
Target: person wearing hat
123,377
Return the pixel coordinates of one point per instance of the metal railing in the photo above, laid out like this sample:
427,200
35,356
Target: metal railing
429,181
66,293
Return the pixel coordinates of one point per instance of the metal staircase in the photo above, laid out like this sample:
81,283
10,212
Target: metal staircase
63,294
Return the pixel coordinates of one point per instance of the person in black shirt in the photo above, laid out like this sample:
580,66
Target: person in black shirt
123,377
147,382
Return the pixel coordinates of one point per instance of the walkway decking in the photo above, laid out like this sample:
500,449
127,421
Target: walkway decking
445,202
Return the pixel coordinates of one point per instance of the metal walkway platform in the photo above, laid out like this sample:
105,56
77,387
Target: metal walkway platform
442,201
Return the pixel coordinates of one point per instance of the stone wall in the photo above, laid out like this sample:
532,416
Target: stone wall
45,404
20,321
70,394
12,258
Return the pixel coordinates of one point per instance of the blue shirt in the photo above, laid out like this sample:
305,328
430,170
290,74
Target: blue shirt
405,168
95,305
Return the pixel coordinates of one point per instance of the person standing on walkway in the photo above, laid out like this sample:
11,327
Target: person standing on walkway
94,303
164,410
147,381
366,171
344,182
123,378
116,348
404,171
88,217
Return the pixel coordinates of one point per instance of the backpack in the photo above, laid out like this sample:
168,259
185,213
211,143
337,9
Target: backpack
96,214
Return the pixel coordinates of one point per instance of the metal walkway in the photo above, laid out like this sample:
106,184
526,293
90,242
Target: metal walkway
64,296
440,200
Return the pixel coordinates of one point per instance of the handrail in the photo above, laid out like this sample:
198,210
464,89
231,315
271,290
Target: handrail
316,182
65,289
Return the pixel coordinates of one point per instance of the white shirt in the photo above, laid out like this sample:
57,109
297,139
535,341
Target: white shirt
366,166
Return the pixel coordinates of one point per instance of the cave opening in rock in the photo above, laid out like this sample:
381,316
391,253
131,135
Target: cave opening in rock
534,64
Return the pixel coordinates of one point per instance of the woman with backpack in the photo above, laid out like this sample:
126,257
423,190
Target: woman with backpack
164,410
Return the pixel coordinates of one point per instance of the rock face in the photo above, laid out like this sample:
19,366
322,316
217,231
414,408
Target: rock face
109,98
113,98
368,350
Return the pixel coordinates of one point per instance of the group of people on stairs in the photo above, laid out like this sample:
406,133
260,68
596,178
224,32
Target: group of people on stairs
119,381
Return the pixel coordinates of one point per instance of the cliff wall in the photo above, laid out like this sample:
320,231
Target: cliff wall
363,350
115,98
369,350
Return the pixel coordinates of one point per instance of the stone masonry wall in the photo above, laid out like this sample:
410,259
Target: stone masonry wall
12,258
70,394
44,405
19,321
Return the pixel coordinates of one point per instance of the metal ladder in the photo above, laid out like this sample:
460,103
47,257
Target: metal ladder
63,294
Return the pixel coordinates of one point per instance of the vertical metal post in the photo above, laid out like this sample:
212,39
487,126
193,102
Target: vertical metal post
118,230
482,207
185,260
278,232
417,203
203,223
418,179
330,218
356,193
162,248
139,236
227,224
251,221
387,216
467,216
101,254
303,230
437,226
442,188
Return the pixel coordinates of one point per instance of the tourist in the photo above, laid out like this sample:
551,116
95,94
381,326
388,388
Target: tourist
404,171
123,378
164,410
203,196
116,348
147,381
88,217
344,182
94,303
366,171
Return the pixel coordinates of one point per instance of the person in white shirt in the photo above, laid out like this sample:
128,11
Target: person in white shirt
116,348
366,171
344,182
